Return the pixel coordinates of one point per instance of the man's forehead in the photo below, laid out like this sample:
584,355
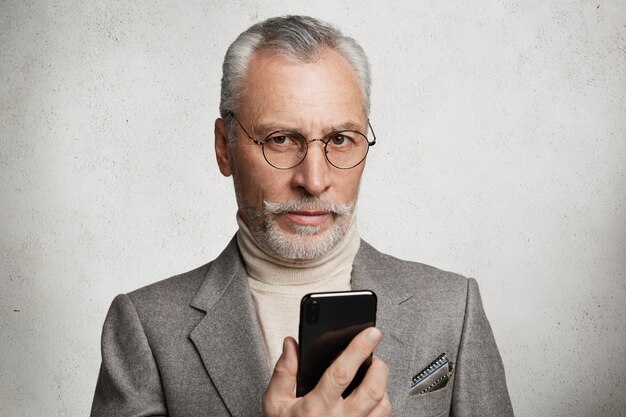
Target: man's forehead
324,57
278,90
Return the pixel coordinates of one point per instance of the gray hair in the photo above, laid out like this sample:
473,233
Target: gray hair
296,38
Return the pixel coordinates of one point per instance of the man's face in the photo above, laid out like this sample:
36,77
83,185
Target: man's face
299,213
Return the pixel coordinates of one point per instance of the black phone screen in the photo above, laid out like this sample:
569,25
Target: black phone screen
328,322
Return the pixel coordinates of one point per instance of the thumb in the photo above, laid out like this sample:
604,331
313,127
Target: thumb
283,379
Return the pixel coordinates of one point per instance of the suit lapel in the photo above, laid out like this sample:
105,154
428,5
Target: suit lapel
374,272
229,341
228,338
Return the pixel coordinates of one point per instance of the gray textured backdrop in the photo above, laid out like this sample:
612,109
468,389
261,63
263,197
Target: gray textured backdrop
501,155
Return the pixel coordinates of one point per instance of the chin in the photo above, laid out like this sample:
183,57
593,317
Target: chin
302,243
295,229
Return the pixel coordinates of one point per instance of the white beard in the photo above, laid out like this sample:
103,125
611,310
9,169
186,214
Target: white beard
308,242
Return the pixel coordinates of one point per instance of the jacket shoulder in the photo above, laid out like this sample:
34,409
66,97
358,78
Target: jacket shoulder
410,277
172,287
170,297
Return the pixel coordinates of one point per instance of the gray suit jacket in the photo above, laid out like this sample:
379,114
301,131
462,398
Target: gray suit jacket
191,345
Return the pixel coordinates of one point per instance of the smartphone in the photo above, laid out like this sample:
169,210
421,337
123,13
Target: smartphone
328,322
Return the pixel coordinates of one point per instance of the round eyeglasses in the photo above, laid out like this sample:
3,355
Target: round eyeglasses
284,149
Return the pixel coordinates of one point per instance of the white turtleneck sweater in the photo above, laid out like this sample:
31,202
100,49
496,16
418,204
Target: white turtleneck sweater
277,286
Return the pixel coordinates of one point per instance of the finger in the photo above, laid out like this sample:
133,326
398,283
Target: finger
382,409
340,373
283,379
372,391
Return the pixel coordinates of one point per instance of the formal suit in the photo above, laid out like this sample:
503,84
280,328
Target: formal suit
191,346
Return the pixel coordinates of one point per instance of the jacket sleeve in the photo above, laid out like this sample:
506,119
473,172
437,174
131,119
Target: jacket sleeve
129,383
480,384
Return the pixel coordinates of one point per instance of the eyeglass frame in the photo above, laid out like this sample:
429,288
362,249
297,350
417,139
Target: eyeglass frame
307,142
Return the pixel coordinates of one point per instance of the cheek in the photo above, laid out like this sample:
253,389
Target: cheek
244,176
250,188
259,181
350,184
275,186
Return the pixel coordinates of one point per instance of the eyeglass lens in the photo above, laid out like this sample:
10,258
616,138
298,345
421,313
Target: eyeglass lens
344,149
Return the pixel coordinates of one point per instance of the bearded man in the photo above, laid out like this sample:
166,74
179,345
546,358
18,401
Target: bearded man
220,340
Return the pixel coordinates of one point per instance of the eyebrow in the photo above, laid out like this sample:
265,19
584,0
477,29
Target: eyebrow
271,127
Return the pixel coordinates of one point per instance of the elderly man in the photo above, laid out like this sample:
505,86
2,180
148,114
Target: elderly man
219,340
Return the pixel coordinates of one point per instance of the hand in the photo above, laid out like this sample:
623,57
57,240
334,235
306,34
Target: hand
369,399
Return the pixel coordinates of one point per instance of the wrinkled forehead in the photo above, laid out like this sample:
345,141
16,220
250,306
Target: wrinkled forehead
282,85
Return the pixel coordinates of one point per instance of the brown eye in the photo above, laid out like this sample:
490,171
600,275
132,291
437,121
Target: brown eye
280,140
342,140
339,140
283,142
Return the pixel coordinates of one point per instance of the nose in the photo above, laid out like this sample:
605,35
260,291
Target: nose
313,173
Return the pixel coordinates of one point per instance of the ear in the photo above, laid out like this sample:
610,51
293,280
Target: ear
221,148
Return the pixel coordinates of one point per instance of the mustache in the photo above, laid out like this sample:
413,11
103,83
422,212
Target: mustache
307,203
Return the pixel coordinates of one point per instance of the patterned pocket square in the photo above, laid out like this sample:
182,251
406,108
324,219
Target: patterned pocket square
435,376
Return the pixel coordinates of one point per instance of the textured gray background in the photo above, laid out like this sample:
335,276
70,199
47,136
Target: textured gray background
501,155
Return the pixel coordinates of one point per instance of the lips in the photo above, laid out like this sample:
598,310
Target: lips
308,218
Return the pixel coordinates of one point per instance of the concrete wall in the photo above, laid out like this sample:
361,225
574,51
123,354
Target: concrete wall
502,146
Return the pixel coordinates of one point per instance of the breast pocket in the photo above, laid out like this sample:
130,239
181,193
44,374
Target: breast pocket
432,404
